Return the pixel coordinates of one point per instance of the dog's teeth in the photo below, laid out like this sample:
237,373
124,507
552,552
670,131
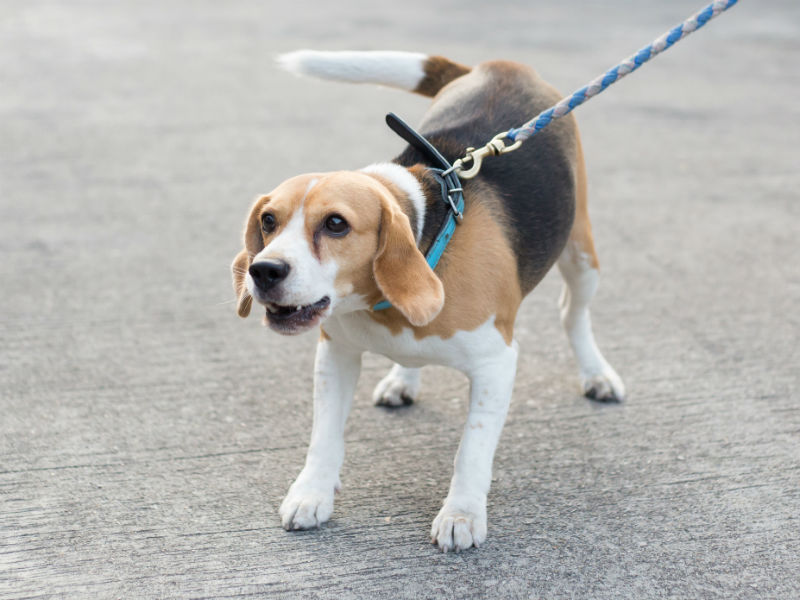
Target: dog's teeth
299,307
271,308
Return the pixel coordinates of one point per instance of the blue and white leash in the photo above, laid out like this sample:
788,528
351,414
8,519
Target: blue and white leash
565,106
449,176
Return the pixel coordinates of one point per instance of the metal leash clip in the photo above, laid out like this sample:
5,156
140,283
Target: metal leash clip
495,147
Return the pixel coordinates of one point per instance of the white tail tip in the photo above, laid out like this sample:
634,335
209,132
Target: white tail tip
402,70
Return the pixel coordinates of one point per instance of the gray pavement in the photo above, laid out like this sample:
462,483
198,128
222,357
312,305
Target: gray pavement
147,435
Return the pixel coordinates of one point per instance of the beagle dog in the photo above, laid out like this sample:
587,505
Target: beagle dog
322,249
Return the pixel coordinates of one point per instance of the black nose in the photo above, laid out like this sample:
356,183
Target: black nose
267,274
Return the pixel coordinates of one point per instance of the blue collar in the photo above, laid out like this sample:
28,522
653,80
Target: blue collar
452,194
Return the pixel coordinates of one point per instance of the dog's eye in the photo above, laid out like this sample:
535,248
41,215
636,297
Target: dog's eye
268,222
335,225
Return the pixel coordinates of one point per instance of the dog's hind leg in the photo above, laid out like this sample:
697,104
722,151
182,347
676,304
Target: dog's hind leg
579,268
400,387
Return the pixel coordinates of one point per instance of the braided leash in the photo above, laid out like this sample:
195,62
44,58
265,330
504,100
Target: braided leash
520,134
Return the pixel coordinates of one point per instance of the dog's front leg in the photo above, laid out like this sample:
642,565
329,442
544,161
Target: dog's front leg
309,502
462,521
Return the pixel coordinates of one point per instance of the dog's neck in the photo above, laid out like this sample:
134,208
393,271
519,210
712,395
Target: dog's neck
419,196
406,189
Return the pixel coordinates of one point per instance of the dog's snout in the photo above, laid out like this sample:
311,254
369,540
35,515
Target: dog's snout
267,274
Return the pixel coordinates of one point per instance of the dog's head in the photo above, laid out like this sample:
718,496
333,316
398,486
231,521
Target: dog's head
327,244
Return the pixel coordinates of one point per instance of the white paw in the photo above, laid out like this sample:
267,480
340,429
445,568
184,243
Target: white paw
306,506
604,387
400,387
459,525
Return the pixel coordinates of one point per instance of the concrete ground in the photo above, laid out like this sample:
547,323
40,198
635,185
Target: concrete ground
147,435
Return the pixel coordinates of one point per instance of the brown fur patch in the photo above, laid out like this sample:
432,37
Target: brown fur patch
239,269
439,71
400,269
479,274
357,198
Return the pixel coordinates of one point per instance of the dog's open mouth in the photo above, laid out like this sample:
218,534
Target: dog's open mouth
289,319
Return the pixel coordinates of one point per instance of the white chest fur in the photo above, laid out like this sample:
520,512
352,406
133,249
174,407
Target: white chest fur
461,351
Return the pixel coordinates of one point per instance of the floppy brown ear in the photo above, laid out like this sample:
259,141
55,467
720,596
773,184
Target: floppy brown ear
401,272
253,244
239,268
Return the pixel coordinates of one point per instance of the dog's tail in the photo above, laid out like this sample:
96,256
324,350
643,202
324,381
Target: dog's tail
409,71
